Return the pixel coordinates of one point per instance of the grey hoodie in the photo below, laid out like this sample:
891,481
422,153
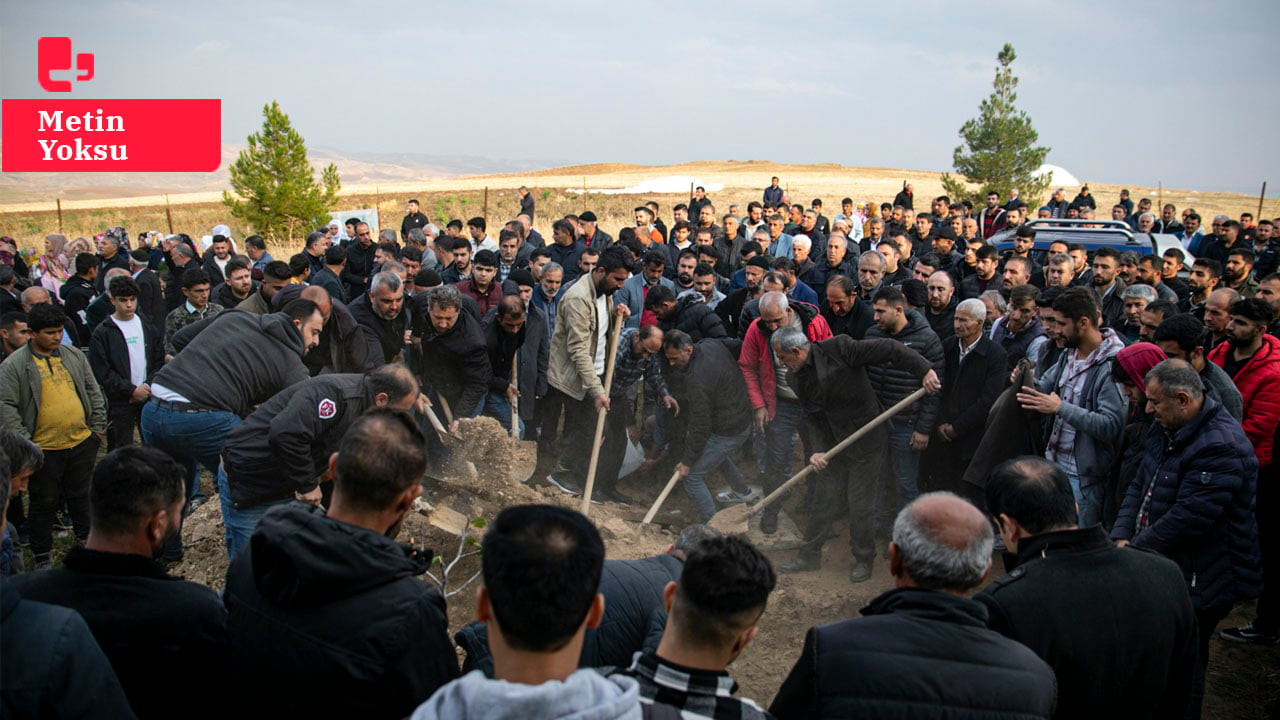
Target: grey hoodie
584,695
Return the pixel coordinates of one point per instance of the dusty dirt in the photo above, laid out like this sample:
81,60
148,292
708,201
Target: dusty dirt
1241,678
498,458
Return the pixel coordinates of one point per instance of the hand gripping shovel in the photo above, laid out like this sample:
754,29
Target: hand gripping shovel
733,520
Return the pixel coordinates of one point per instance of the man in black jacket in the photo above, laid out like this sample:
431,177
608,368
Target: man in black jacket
413,220
534,351
281,451
504,335
77,292
239,361
382,316
923,649
830,379
844,311
150,294
110,255
181,259
716,417
157,629
688,314
1064,578
359,265
343,347
454,365
125,352
327,614
216,259
974,376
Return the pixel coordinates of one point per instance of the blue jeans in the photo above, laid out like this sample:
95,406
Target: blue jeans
715,455
901,468
192,437
1088,500
498,407
780,443
238,525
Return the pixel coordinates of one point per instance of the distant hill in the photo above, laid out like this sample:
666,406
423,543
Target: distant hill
355,169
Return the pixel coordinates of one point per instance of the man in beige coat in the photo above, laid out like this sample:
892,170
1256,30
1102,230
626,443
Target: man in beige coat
579,351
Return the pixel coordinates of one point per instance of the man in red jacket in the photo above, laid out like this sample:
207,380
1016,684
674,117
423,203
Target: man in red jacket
1252,358
777,409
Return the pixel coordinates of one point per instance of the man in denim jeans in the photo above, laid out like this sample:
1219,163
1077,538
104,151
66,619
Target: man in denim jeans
715,419
237,361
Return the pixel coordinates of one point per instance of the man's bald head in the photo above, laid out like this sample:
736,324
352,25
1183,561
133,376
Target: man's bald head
35,295
320,297
941,542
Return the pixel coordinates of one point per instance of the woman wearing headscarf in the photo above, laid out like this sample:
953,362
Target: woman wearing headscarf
52,267
10,256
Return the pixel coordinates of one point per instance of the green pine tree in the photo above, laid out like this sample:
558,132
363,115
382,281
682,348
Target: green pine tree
999,151
275,187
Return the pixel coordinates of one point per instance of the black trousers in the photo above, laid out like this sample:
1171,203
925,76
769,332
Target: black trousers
579,432
64,478
1266,508
614,449
122,420
847,490
1207,620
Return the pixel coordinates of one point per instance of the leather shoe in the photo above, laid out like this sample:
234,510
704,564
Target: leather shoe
861,573
803,562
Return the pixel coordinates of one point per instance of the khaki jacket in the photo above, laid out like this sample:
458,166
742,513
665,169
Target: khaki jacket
571,367
20,390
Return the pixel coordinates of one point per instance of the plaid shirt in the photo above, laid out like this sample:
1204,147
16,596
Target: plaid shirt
629,368
695,693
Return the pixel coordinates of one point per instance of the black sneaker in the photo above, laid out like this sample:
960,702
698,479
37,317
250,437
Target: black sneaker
802,562
1248,634
861,573
565,483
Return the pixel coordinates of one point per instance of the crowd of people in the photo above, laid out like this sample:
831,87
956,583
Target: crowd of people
1105,419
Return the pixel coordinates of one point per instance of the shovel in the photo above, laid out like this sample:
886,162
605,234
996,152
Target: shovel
450,441
648,517
524,471
733,520
600,416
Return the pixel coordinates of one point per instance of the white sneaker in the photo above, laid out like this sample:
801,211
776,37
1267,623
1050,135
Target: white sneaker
729,496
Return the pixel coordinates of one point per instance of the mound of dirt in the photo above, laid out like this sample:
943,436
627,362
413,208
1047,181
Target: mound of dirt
498,458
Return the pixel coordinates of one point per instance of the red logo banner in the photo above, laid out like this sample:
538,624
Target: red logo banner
111,135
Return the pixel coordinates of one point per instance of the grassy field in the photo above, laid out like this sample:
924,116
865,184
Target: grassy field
463,198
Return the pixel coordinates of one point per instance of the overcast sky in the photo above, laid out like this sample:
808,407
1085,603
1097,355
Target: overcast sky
1179,92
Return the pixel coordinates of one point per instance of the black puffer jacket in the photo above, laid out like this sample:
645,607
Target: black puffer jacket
343,348
237,361
917,654
455,364
893,383
692,316
712,396
1202,481
328,619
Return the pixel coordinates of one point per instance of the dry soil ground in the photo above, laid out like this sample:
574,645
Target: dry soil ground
1242,678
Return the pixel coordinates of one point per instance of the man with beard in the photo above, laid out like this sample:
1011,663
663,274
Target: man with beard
504,335
984,275
454,364
730,309
154,627
1237,273
1017,272
1227,237
1181,336
1108,287
237,286
684,271
579,350
1204,278
1252,359
299,611
942,304
992,218
380,313
775,406
637,287
1148,273
1085,410
359,265
1059,271
275,276
687,313
1191,236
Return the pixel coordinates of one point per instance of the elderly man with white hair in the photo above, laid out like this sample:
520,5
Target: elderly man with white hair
973,377
923,644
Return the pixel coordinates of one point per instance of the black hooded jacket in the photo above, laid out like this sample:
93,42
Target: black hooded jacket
692,316
455,363
501,347
328,619
389,333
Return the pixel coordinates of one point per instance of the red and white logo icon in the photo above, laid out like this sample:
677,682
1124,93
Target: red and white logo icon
54,55
328,409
